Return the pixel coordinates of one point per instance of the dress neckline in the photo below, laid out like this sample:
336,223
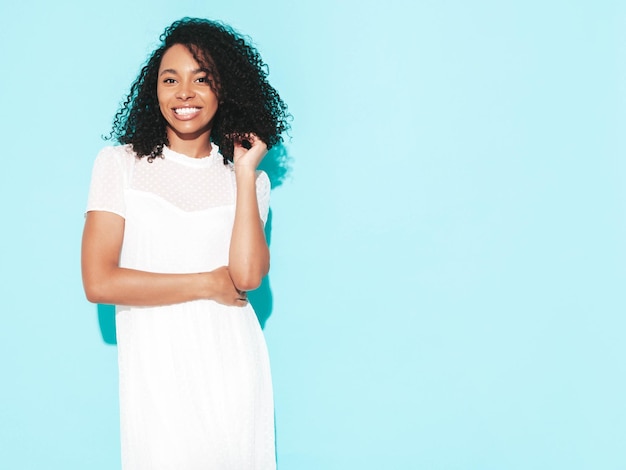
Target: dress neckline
183,159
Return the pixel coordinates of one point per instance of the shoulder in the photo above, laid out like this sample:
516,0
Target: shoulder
263,185
262,180
114,160
117,152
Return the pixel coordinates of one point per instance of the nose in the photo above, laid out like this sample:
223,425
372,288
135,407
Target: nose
185,91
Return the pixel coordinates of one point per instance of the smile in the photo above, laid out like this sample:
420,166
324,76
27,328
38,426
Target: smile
186,111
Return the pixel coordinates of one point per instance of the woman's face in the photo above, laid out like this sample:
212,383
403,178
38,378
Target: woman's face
186,99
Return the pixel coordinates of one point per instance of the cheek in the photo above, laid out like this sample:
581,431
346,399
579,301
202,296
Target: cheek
162,100
211,101
216,102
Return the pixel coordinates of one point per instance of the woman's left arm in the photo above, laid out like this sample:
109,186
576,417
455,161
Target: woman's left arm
249,257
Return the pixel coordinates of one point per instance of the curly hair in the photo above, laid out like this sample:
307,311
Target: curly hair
248,104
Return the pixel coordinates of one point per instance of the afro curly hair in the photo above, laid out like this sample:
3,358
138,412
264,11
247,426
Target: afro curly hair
248,104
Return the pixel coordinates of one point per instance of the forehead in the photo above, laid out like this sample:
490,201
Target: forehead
178,57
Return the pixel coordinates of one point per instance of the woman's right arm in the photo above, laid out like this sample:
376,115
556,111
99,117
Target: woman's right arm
107,283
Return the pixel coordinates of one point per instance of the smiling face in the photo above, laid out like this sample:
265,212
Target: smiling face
186,99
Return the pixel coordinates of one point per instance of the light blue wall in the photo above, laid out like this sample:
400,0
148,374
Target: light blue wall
448,261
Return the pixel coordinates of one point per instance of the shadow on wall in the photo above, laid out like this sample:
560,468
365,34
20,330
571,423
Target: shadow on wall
106,320
277,165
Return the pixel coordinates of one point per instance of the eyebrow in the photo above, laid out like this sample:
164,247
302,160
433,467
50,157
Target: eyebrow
172,71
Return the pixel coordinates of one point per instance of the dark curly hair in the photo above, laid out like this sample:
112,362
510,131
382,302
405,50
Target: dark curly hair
237,75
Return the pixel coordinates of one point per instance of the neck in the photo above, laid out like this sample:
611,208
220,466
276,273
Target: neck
193,146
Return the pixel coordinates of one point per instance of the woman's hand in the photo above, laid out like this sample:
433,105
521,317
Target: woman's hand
222,289
249,158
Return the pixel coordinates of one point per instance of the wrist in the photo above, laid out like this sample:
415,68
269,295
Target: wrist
203,287
245,172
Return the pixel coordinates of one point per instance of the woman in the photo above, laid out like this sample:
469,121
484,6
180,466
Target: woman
174,237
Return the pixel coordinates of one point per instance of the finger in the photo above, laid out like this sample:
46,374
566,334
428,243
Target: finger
256,142
253,139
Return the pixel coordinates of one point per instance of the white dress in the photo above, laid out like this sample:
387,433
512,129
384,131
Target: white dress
195,385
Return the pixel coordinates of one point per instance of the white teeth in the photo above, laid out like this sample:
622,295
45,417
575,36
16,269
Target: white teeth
186,111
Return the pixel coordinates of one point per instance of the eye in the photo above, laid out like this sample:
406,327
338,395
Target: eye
169,81
204,79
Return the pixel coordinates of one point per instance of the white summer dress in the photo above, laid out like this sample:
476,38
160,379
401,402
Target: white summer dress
195,385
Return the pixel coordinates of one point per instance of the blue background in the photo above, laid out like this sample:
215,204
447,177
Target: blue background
448,261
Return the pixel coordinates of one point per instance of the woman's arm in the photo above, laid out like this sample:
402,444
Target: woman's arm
105,282
249,258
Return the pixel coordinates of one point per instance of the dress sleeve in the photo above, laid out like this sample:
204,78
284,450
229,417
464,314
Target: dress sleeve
106,192
263,187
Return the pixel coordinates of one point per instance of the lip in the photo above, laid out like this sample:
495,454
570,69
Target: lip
187,115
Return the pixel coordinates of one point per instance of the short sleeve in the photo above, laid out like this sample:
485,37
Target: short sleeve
106,192
263,187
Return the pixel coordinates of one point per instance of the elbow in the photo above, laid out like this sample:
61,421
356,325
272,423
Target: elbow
95,293
93,296
248,282
249,279
99,284
248,276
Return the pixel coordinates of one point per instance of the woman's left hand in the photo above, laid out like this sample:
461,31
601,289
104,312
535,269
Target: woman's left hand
249,157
